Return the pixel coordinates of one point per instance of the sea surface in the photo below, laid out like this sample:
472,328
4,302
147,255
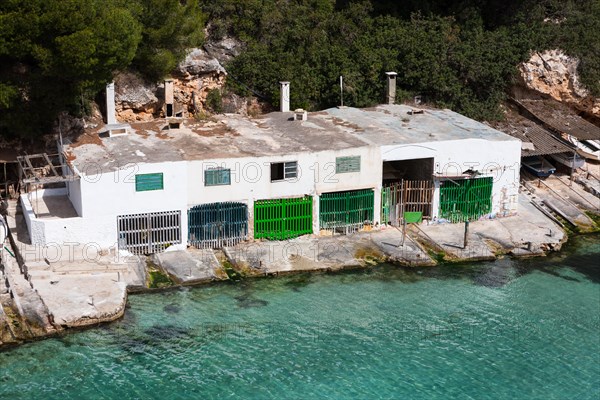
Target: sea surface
510,329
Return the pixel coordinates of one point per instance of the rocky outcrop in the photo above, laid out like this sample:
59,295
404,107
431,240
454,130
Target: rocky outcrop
136,99
200,72
554,73
195,77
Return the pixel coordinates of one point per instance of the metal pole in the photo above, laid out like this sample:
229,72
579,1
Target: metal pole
465,239
572,169
403,231
342,91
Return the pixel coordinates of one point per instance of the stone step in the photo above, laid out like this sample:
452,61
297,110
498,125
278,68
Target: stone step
26,302
35,276
37,266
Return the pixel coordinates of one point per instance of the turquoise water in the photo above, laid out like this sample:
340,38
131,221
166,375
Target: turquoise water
503,330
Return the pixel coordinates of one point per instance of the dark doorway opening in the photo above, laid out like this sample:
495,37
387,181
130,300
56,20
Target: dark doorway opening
418,169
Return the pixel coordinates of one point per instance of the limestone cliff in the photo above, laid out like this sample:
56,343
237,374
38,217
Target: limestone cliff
199,73
554,73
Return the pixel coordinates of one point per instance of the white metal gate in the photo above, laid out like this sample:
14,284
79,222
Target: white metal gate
150,232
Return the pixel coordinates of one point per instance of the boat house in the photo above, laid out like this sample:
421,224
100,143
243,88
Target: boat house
217,182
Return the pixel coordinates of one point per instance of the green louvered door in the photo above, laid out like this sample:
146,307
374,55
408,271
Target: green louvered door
280,219
216,225
349,210
466,199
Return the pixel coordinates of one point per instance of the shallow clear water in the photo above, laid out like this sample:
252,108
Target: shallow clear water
509,330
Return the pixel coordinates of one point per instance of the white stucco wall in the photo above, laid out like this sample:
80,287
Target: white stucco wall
44,231
35,228
108,195
251,178
100,198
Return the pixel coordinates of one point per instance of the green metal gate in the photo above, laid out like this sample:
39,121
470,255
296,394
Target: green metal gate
349,210
216,225
280,219
466,199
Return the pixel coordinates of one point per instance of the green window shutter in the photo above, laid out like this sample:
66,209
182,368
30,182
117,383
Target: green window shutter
216,177
290,169
347,164
145,182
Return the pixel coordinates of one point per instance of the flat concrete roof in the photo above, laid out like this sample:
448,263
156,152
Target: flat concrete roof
274,134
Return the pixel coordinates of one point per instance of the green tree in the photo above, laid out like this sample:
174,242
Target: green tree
53,53
169,28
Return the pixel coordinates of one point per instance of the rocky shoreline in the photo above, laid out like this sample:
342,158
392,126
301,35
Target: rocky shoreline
43,298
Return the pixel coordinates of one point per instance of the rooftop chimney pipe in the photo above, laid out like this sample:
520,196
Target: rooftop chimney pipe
391,88
285,96
169,98
110,104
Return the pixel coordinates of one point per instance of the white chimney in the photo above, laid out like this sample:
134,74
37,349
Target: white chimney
390,92
285,96
169,98
110,104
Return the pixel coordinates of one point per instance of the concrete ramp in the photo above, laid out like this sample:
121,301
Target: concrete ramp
568,211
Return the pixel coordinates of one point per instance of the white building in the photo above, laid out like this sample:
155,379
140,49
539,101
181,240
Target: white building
215,183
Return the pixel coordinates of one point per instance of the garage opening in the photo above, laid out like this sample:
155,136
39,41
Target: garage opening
346,212
150,232
406,201
279,219
216,225
407,192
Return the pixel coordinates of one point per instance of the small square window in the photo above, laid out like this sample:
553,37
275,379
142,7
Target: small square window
284,170
146,182
347,164
217,177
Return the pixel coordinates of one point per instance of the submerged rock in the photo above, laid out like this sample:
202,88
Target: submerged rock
172,308
246,301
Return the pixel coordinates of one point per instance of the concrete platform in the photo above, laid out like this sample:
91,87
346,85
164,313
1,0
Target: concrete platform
52,207
565,198
526,234
190,266
75,301
327,253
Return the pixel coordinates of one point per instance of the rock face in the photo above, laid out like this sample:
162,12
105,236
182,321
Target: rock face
199,73
195,77
135,99
554,73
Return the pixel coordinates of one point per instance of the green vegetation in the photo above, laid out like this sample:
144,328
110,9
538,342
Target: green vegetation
457,54
169,28
232,274
158,280
214,101
57,55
